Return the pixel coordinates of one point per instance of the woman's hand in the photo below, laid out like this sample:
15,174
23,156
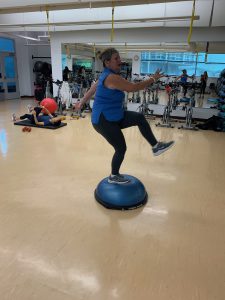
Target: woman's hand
78,106
158,74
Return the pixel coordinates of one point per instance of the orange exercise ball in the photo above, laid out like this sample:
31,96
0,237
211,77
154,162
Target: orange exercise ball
50,104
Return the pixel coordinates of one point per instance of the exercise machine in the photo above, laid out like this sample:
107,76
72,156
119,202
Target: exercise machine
189,110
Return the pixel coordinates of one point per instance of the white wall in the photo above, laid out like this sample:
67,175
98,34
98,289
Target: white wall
23,68
56,55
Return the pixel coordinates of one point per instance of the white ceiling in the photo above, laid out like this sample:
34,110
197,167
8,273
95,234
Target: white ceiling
29,16
35,5
146,15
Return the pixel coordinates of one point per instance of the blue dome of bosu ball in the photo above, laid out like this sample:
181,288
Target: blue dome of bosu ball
130,195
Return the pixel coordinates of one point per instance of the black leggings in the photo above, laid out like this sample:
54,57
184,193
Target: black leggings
27,116
184,85
202,91
112,132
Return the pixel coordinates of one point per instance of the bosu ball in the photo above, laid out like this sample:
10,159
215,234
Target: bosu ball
130,195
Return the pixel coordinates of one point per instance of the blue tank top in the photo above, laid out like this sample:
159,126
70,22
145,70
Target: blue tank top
184,78
107,101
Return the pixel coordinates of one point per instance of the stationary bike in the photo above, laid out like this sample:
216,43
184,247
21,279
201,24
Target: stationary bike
189,111
143,108
172,103
61,106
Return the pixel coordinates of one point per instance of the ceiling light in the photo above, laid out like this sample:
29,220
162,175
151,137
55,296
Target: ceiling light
43,36
27,37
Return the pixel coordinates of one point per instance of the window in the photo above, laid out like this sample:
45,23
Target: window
215,58
172,63
77,63
84,63
213,70
6,45
10,67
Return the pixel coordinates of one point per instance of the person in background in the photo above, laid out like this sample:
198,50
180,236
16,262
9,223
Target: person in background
38,118
48,120
81,74
183,79
29,116
82,71
82,80
66,74
203,82
109,116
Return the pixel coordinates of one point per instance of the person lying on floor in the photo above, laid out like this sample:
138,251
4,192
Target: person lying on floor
38,118
29,116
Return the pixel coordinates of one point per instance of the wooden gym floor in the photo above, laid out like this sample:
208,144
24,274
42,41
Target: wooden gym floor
57,243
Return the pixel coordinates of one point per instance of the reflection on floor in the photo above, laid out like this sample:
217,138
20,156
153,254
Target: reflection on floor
57,243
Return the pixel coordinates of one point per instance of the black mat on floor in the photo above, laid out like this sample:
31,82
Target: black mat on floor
28,123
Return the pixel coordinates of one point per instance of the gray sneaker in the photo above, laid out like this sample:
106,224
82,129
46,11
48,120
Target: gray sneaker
162,147
118,179
14,117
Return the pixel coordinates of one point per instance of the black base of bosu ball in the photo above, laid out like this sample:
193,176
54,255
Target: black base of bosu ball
130,195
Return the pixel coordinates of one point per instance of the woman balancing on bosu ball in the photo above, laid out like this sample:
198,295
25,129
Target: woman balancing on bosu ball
109,116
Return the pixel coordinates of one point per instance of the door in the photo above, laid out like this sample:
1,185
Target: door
9,87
